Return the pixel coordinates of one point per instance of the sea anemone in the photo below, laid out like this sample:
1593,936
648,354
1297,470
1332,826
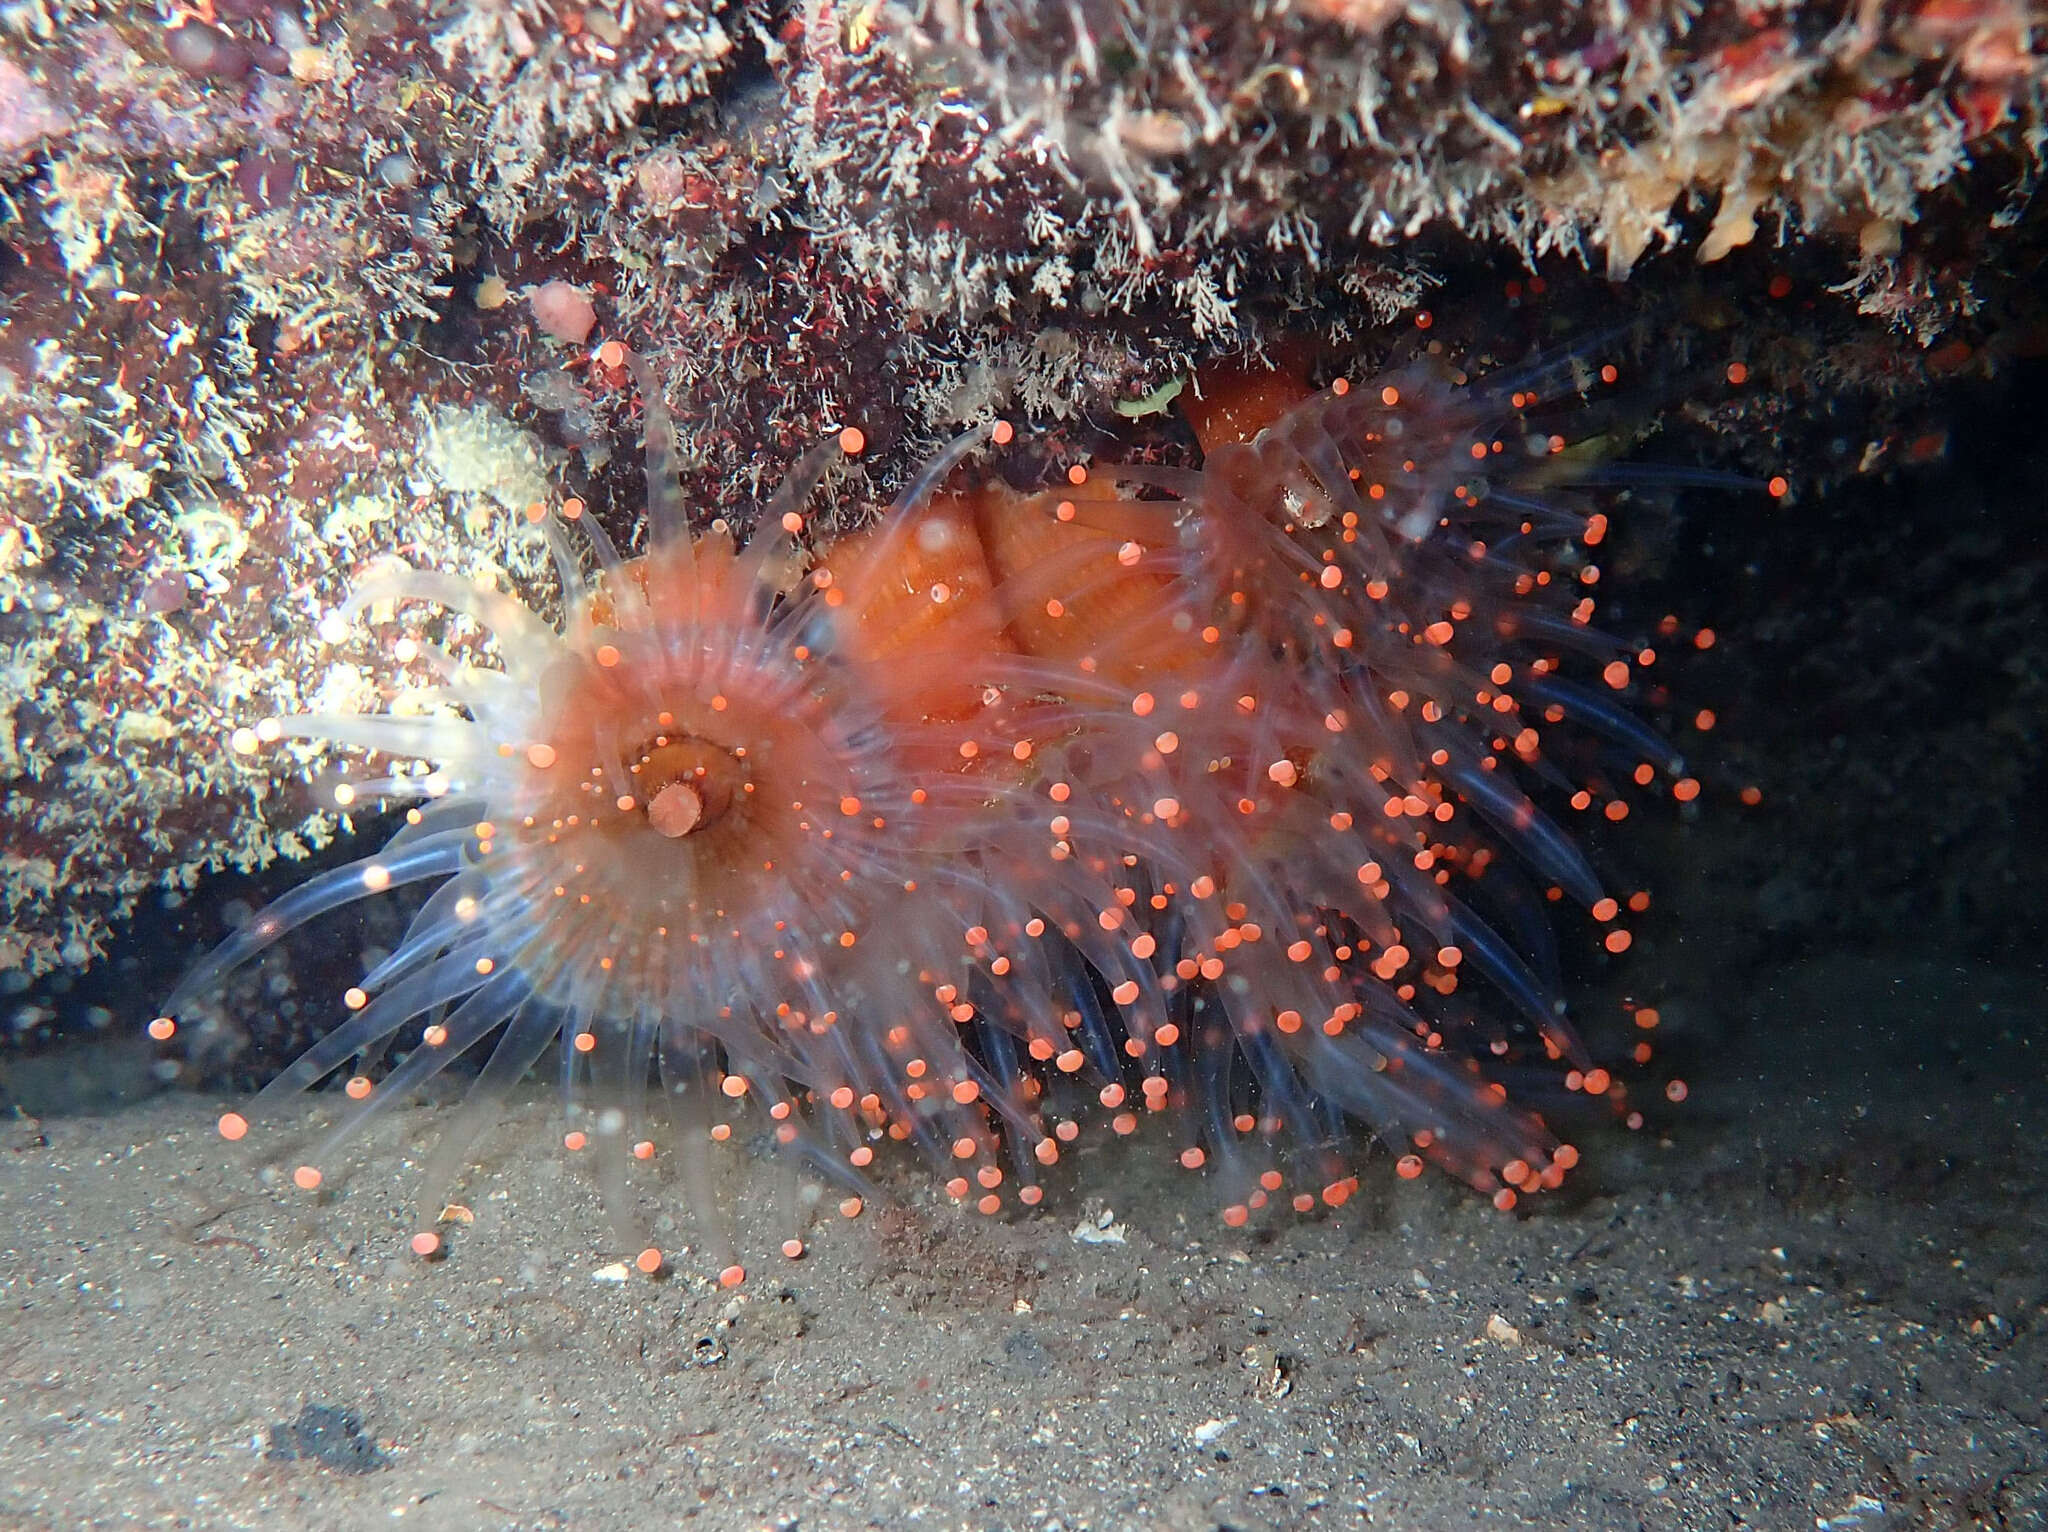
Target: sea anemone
1170,788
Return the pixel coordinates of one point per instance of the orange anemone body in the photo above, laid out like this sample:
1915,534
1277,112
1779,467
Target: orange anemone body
1068,576
1182,784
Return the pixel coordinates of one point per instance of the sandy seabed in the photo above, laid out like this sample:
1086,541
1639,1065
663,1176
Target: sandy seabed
1819,1301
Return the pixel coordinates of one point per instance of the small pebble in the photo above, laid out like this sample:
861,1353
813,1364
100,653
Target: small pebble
206,51
564,311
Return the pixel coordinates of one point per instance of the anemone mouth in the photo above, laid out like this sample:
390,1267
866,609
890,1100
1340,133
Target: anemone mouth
686,786
676,810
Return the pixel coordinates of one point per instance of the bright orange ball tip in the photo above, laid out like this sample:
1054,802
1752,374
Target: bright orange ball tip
611,354
163,1029
307,1178
426,1244
1002,433
732,1276
1676,1091
1408,1167
853,441
1738,373
1778,485
648,1261
793,1248
233,1126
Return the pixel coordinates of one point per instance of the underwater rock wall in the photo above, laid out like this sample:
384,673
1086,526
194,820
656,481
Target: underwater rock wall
285,292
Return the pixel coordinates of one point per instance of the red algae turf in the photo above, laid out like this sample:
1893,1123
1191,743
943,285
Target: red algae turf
1224,796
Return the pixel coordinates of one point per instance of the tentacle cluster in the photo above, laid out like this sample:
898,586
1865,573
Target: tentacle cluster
1175,790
